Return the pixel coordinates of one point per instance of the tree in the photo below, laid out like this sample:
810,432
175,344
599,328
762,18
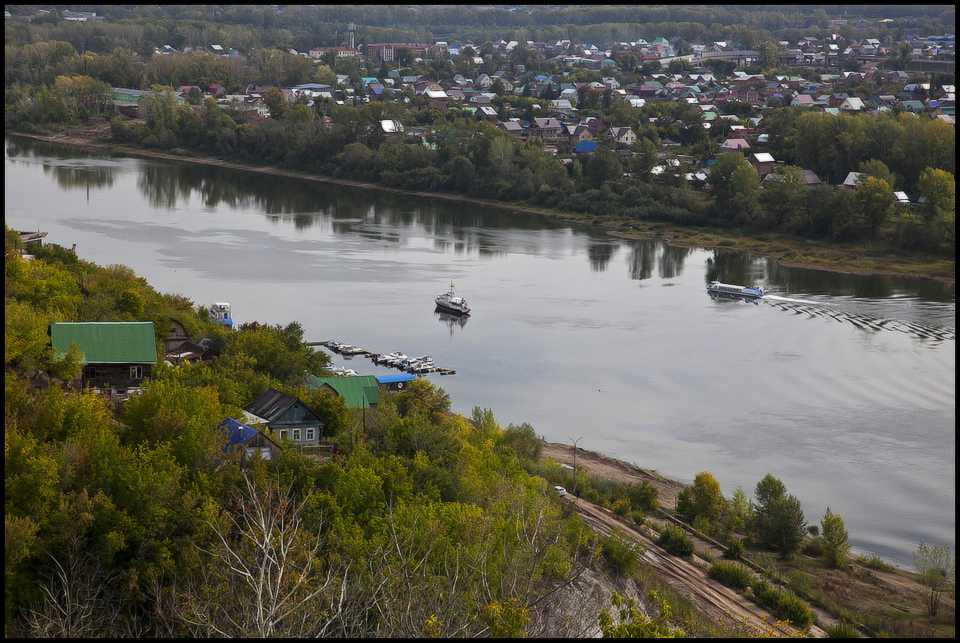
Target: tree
735,187
275,101
778,518
833,541
878,170
937,568
702,499
938,189
602,166
875,202
265,579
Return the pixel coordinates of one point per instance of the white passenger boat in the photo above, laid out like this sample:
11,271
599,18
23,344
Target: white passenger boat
717,288
452,303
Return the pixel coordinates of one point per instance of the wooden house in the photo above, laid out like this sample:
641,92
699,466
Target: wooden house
287,418
245,442
545,129
116,356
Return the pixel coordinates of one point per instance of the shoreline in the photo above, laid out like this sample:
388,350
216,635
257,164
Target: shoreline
93,143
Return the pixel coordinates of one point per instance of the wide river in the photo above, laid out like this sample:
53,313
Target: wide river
842,386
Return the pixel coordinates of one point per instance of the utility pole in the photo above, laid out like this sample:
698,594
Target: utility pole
575,465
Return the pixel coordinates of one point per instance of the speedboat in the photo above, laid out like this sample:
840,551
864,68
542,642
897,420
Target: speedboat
452,303
717,288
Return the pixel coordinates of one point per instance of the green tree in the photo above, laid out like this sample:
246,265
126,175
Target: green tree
937,568
703,499
875,202
778,518
878,170
735,187
833,540
602,166
276,103
938,189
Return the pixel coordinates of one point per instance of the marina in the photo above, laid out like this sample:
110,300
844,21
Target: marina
421,365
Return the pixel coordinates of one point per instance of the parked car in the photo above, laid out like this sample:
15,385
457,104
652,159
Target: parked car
560,490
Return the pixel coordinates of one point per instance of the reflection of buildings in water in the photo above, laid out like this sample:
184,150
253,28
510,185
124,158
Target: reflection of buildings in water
451,320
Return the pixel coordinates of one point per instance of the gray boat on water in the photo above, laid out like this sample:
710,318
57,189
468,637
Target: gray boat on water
452,303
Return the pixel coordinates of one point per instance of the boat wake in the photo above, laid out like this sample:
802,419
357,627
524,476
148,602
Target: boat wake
865,320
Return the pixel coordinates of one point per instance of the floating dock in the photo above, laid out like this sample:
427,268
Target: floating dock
348,351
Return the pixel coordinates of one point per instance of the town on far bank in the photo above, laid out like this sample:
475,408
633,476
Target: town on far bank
800,124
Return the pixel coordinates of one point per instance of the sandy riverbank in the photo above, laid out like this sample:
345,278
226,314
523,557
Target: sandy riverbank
92,138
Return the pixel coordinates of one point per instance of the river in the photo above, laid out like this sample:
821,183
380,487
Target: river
843,386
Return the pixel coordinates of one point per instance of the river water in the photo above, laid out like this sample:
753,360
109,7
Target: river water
842,386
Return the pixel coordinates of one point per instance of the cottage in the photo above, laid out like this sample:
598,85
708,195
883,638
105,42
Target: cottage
545,129
116,356
286,417
622,135
513,128
246,442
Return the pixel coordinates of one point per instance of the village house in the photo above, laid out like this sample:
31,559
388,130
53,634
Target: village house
622,135
245,442
734,145
116,356
287,418
545,129
357,392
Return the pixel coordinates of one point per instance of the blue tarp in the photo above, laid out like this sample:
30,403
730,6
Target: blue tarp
585,147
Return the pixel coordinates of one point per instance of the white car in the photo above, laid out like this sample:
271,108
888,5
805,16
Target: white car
560,490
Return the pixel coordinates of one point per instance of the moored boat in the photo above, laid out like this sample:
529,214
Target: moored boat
717,288
452,303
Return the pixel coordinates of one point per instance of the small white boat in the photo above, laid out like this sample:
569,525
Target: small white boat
717,288
452,303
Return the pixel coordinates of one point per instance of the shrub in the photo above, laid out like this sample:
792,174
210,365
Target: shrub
622,552
794,609
642,495
734,548
676,541
730,574
764,594
842,630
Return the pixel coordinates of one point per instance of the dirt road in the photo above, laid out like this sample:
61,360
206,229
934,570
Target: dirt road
689,578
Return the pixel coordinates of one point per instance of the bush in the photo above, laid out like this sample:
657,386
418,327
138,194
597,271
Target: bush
622,552
734,548
676,541
730,574
795,610
782,604
642,495
800,582
842,630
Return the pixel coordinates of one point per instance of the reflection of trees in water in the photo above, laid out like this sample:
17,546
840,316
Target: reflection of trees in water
804,280
670,264
600,254
643,255
81,178
31,148
732,267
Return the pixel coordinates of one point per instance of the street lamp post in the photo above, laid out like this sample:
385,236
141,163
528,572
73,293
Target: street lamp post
575,465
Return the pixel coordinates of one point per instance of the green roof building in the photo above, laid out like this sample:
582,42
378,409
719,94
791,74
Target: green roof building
116,356
358,392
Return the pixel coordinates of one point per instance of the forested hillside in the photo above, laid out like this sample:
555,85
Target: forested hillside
132,519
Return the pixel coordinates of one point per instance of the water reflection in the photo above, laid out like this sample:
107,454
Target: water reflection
643,256
600,254
452,321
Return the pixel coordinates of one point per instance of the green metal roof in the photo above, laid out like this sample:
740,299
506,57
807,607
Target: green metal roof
359,391
106,342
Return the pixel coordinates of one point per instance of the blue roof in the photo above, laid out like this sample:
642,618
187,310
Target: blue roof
393,379
585,146
237,432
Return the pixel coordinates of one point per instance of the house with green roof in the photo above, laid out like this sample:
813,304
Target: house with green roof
116,356
358,392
